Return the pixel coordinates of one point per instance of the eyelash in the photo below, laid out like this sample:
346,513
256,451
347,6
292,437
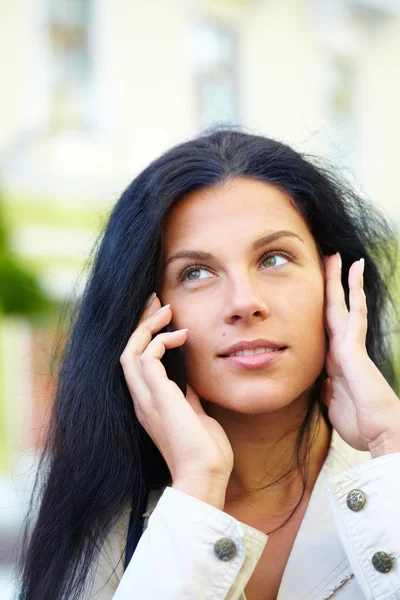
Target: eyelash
187,269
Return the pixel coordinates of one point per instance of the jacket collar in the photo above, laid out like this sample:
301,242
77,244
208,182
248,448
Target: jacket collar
318,564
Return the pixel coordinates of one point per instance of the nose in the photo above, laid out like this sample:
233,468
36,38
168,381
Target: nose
245,301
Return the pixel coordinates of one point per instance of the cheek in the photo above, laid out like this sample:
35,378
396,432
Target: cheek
200,332
308,309
310,322
186,314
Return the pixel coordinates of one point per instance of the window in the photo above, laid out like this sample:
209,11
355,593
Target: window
69,62
215,53
341,80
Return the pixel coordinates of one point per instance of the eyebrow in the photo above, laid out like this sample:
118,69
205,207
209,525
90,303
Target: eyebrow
263,241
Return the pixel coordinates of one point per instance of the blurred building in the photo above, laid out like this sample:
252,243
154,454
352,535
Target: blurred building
92,90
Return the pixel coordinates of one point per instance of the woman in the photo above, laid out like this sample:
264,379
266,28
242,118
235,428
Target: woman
258,259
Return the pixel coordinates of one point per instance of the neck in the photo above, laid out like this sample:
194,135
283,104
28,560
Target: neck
265,474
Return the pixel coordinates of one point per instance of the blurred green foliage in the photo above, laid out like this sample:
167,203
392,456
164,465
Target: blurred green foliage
20,291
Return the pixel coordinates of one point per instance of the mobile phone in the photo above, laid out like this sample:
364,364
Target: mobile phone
174,364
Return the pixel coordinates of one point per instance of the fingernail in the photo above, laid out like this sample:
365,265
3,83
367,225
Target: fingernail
362,261
339,258
150,299
162,308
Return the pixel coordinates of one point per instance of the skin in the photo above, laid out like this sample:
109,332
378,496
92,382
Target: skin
226,436
247,294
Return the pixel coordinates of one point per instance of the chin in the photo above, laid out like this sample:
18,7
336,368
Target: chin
263,395
250,401
256,392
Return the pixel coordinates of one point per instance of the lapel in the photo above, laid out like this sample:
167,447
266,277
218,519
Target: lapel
318,564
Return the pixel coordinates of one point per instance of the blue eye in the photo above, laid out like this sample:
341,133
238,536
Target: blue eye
273,260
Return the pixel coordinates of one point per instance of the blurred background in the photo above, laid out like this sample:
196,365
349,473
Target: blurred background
92,90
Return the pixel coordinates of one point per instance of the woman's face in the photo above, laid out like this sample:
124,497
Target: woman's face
236,285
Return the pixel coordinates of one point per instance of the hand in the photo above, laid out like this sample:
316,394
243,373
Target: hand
194,445
362,406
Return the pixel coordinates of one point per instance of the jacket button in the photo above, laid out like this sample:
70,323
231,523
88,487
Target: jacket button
382,562
355,500
225,549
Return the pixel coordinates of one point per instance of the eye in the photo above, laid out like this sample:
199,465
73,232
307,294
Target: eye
196,271
274,260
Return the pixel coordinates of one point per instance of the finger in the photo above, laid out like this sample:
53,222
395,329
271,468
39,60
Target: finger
147,376
335,305
152,369
357,326
137,344
144,332
153,304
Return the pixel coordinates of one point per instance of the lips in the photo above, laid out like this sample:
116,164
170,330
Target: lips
252,352
252,347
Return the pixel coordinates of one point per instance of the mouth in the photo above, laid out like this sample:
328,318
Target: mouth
250,352
254,361
256,357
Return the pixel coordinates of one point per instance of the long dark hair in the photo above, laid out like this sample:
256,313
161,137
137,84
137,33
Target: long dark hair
98,459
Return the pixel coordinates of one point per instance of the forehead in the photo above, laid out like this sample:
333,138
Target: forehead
238,210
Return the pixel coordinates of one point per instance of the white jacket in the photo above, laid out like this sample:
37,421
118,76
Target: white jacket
331,556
